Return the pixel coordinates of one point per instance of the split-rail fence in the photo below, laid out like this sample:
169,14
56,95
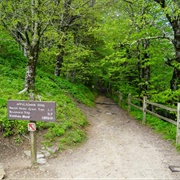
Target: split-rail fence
145,102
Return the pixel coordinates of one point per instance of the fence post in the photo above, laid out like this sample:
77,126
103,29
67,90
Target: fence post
144,109
178,125
129,103
120,99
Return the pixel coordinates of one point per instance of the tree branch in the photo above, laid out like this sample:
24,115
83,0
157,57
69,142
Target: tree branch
154,37
23,91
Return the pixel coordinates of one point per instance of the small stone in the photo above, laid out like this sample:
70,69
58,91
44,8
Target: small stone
108,113
45,153
27,153
40,155
2,173
52,149
41,160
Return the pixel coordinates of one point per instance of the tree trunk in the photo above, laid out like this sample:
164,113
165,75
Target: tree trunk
30,74
175,23
32,52
32,48
59,62
175,81
144,70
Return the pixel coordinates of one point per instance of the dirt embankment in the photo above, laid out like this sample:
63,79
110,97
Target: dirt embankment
118,147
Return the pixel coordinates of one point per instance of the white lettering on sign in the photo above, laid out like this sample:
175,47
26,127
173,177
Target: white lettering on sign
22,108
25,112
31,104
40,105
13,108
47,118
32,109
40,109
28,117
15,116
15,112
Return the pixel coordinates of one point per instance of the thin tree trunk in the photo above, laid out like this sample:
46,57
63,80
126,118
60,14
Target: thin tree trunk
59,62
32,55
144,72
175,23
30,74
32,49
73,75
145,67
175,81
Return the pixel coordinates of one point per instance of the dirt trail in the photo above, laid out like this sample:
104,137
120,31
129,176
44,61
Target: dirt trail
118,147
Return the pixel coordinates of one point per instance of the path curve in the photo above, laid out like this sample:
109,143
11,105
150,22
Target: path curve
118,147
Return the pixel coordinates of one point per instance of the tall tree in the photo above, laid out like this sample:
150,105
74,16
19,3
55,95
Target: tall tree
71,18
172,12
134,30
27,20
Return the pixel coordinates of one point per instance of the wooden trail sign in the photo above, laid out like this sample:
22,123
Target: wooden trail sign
31,110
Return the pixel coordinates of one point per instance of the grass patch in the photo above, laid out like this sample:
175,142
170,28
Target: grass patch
68,130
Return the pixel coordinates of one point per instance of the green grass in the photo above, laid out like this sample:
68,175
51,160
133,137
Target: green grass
68,129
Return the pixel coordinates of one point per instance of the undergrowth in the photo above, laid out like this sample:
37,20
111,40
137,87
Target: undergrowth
69,126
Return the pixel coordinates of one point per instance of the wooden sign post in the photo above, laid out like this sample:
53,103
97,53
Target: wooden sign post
33,142
32,111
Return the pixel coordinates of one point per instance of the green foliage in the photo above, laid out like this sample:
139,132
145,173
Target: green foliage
78,91
111,47
72,138
70,120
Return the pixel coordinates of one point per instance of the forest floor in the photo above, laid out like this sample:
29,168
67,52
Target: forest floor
118,147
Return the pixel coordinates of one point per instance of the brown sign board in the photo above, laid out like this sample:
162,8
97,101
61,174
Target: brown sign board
32,110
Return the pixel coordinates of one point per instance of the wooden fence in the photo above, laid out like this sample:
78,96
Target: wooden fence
145,110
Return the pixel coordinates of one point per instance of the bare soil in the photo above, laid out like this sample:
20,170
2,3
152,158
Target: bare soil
118,147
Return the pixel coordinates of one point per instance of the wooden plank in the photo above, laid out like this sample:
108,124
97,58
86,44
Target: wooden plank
138,107
32,110
162,106
137,99
129,103
144,110
33,147
161,117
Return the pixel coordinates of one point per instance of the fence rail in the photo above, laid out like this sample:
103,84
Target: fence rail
145,110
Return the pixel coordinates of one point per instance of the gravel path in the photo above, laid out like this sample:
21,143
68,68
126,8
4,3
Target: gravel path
118,147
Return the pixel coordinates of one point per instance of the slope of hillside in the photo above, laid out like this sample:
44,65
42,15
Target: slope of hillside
70,120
